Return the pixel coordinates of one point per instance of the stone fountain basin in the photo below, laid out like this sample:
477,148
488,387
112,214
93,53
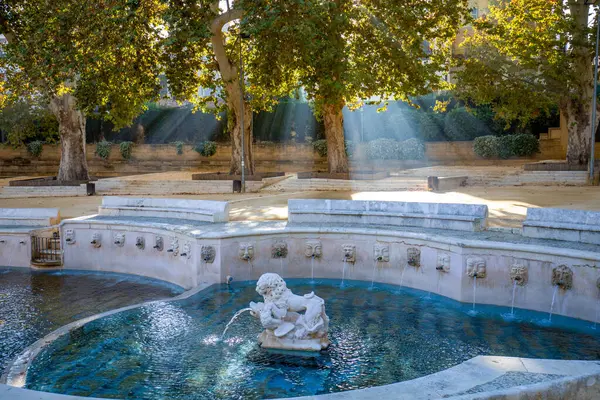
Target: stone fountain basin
482,376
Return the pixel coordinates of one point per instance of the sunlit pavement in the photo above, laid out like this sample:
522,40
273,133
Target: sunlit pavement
507,205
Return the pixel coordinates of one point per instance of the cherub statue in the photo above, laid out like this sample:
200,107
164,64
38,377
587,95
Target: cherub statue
281,316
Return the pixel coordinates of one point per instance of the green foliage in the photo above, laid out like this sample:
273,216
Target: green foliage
462,125
126,148
486,146
350,147
412,149
384,149
320,147
206,149
344,51
389,149
526,56
35,148
179,147
105,53
103,149
524,145
520,145
431,127
25,120
505,146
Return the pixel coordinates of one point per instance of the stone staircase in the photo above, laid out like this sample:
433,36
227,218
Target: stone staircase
293,184
114,186
42,191
532,178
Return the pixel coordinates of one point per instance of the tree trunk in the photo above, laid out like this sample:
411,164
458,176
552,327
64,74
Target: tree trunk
334,133
71,127
577,107
235,107
578,118
230,75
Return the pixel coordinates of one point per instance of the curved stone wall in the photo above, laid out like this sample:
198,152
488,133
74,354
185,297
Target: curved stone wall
443,262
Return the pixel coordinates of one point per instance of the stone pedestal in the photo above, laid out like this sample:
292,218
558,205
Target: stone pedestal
268,340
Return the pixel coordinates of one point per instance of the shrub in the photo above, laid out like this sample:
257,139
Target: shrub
126,148
431,127
524,145
412,149
103,149
486,146
35,148
179,147
320,147
206,149
350,148
383,149
505,146
462,125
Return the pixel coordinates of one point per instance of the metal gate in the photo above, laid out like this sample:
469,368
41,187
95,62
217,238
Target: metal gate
45,251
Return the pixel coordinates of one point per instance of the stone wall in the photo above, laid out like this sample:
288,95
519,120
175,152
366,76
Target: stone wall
269,158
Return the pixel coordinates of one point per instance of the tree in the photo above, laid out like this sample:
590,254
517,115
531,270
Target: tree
97,57
528,55
202,60
343,52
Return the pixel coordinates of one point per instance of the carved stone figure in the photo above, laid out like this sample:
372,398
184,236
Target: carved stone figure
208,254
414,256
279,250
246,251
291,322
187,250
174,247
96,240
313,249
381,252
443,262
562,276
70,236
476,267
119,239
158,243
349,253
519,274
140,242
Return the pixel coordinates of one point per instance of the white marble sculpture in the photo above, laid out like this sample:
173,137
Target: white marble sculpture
281,315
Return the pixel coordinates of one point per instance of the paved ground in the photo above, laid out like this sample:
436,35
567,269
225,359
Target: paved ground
507,205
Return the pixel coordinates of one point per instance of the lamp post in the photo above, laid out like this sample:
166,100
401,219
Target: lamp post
243,188
594,99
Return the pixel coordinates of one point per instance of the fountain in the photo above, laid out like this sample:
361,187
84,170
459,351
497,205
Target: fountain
140,243
349,251
96,240
562,278
119,239
475,269
313,249
279,251
280,314
246,253
519,276
158,243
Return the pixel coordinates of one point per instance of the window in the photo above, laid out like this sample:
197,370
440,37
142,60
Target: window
475,12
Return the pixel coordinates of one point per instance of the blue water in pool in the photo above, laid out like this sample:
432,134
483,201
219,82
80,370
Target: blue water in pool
381,336
34,303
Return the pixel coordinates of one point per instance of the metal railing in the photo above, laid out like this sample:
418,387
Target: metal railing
46,250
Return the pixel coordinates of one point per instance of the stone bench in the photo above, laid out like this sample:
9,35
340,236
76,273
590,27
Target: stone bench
34,217
462,217
561,224
196,210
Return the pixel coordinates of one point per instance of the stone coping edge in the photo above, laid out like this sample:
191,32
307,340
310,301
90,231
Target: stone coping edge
16,372
259,228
